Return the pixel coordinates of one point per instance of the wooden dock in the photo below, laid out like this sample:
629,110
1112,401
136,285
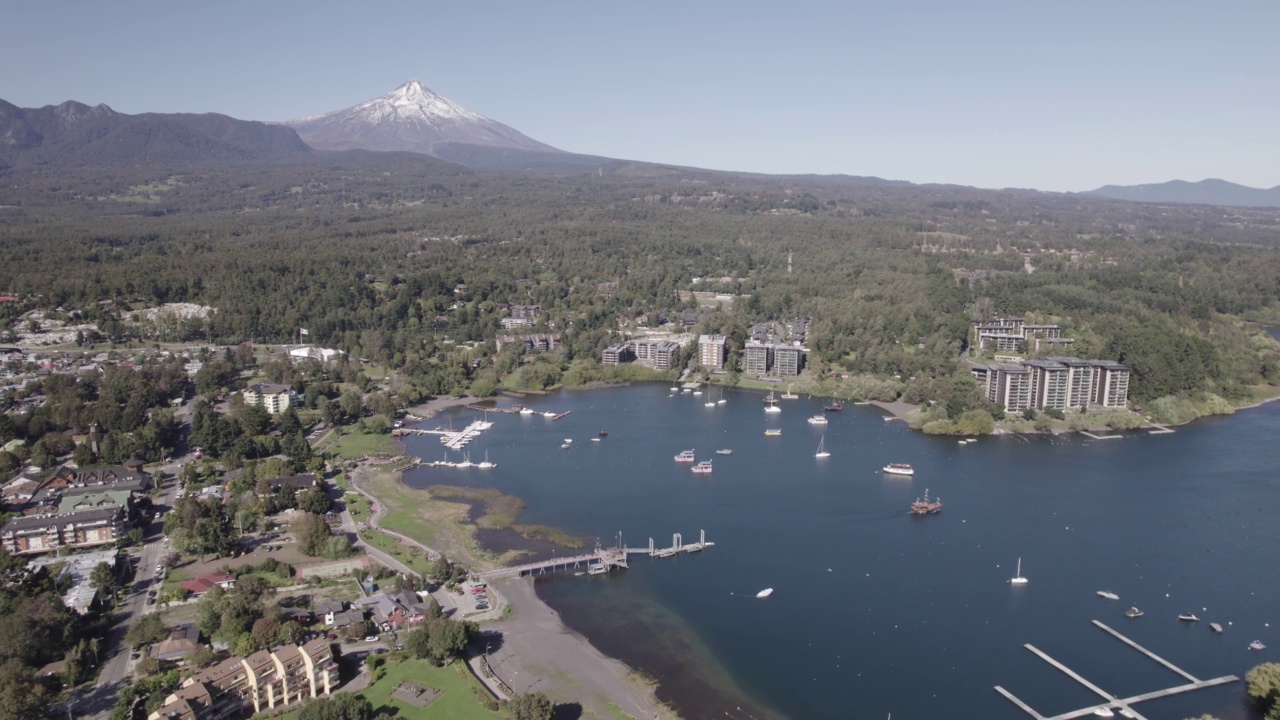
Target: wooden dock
1111,702
609,558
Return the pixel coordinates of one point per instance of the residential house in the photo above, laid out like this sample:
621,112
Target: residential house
182,641
394,609
204,583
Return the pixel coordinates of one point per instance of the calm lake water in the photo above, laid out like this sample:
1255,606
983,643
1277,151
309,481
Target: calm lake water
875,611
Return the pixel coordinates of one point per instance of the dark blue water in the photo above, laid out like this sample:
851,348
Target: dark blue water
876,611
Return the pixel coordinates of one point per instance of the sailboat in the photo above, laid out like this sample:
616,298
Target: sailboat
770,404
1017,578
710,402
486,464
788,395
822,453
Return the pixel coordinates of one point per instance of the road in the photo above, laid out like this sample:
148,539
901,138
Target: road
115,671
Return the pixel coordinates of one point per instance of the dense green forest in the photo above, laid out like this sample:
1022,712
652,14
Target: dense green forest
368,254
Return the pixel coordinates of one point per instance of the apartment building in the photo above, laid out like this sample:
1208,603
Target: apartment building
1060,383
711,351
1110,383
757,358
1049,384
275,398
35,534
788,360
265,680
621,352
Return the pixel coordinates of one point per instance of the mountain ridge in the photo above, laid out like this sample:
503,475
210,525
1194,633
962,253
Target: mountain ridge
1210,191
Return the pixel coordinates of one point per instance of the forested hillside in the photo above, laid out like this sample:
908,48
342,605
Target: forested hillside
366,252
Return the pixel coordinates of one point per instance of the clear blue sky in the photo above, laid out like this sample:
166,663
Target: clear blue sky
1056,96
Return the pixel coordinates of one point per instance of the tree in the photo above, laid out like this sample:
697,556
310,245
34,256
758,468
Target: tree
338,707
103,578
312,532
255,420
266,631
82,456
315,500
530,706
1264,683
21,696
40,455
291,632
147,630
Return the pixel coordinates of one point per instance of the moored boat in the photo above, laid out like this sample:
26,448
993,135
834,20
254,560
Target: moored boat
773,432
765,593
822,450
1257,645
818,420
685,456
1215,628
1133,612
526,411
1108,595
1017,578
703,467
835,406
724,451
770,405
1103,712
604,433
1188,617
899,469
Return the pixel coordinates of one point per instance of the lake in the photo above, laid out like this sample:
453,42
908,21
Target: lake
876,611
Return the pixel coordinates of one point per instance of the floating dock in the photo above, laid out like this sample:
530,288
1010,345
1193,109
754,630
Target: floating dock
452,439
1111,702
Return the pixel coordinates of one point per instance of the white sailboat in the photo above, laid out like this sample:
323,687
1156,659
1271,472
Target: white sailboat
1017,578
822,453
486,464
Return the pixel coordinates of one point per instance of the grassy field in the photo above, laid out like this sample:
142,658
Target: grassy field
437,524
357,444
409,555
458,699
358,506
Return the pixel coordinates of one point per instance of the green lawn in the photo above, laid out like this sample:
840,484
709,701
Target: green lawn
357,444
341,481
411,556
458,702
358,506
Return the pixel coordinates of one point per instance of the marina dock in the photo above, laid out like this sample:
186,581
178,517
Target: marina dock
1111,702
452,439
601,559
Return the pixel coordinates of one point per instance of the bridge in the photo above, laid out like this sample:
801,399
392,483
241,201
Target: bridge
601,559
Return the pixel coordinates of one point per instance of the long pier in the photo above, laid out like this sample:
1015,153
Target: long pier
603,559
1111,702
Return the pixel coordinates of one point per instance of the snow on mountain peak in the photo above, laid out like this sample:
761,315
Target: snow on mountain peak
414,101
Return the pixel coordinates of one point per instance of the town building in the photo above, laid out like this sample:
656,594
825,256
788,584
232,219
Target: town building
182,641
275,398
757,358
527,312
1058,383
711,351
1110,384
511,323
394,610
81,596
34,534
238,687
540,342
622,352
308,352
788,360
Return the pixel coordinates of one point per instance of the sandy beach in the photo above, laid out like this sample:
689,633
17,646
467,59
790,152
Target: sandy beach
435,406
538,653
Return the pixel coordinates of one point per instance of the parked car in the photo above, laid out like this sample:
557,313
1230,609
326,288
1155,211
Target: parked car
371,638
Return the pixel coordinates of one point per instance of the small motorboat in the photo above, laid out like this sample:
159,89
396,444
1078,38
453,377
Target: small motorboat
1108,595
724,451
765,593
1215,628
564,446
1188,617
526,411
773,433
899,469
1133,612
1257,645
595,439
604,433
1103,712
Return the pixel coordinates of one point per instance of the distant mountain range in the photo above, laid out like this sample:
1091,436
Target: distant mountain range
1205,192
75,134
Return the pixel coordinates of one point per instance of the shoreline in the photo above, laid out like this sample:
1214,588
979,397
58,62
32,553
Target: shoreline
538,652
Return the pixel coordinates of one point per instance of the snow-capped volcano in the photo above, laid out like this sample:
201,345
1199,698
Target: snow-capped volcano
411,118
